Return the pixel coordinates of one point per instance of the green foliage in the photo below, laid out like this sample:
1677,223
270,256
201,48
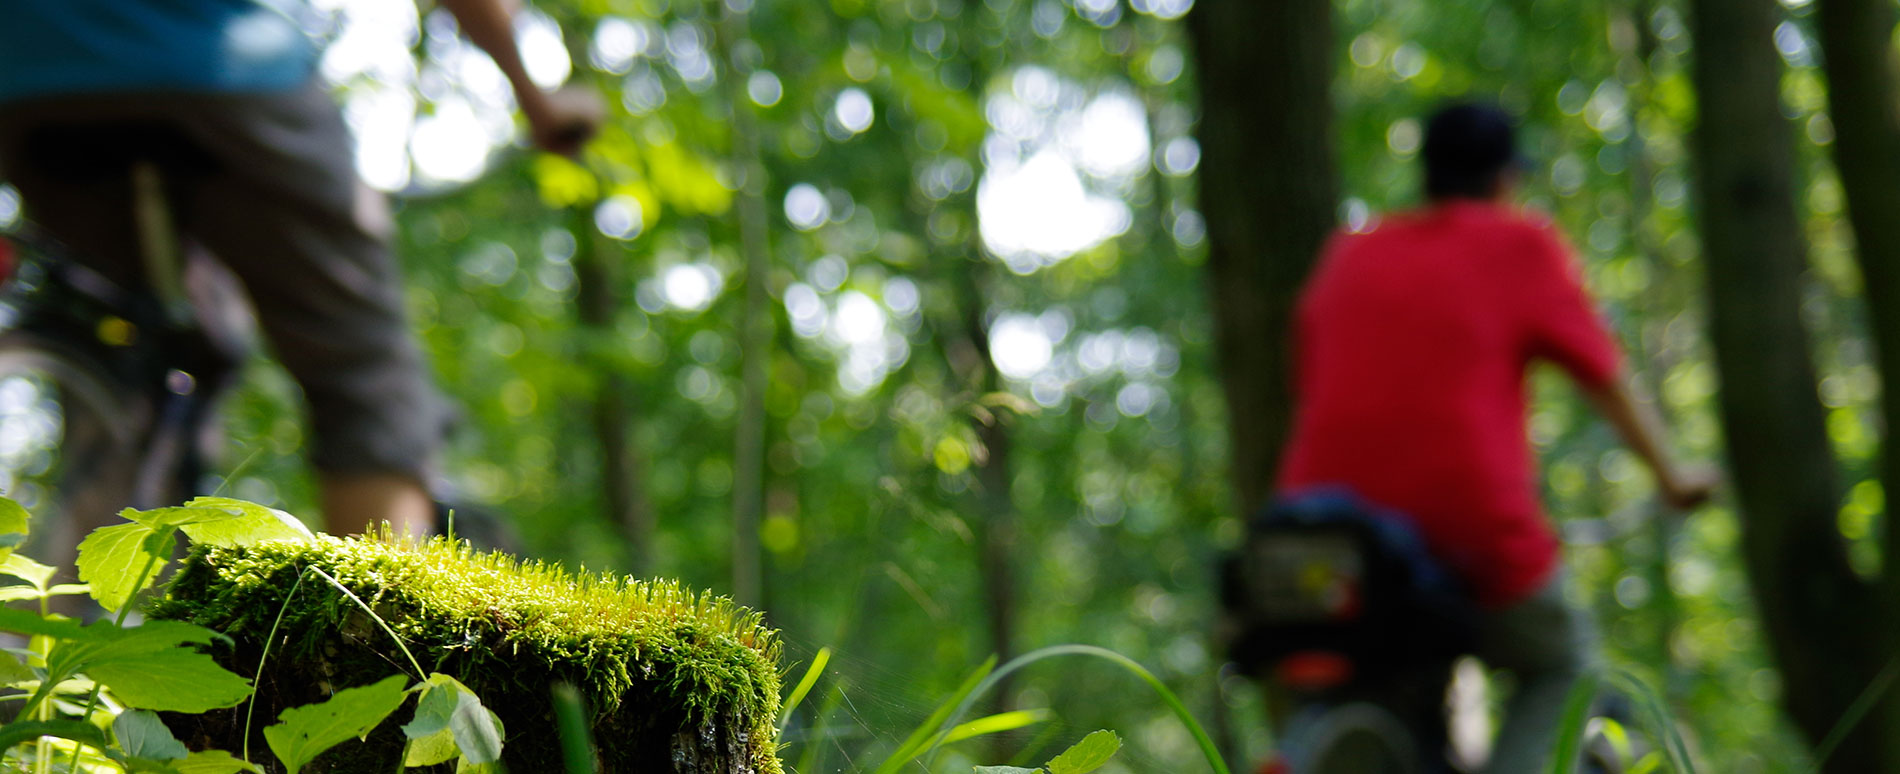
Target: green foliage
141,734
302,733
450,721
493,623
1085,756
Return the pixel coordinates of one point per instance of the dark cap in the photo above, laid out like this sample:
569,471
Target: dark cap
1468,147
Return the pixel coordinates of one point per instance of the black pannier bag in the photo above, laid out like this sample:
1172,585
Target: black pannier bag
1323,571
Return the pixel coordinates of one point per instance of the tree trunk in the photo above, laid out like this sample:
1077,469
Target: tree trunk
1855,38
1268,190
620,468
1819,617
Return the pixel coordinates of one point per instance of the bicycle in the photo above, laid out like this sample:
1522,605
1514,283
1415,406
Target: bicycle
118,388
1341,610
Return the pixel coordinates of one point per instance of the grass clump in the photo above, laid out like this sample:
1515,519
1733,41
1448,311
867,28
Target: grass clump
673,680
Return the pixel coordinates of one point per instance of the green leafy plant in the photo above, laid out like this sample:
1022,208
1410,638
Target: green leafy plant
91,692
1085,756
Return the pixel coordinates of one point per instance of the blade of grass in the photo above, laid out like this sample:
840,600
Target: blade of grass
577,741
995,724
952,707
1855,712
1583,693
805,683
1659,717
1208,750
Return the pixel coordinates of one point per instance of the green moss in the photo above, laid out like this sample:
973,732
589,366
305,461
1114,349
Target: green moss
654,661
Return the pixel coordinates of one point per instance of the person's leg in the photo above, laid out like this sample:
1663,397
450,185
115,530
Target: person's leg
310,244
1546,644
360,503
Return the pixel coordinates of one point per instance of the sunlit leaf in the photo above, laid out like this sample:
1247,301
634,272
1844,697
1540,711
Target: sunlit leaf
27,570
248,523
303,733
1087,755
448,708
13,525
118,561
214,762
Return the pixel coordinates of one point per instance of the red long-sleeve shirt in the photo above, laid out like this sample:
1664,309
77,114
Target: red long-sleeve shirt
1412,344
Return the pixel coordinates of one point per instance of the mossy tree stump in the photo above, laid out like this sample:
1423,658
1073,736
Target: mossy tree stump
673,681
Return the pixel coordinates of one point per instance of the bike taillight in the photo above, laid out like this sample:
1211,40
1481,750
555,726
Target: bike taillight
1313,671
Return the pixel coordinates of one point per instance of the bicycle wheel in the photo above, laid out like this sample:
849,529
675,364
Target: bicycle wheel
73,444
1356,738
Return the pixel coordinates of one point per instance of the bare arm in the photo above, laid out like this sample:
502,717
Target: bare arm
1641,430
559,122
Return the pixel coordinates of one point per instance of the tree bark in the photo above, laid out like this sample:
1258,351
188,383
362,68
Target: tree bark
1268,190
1861,94
1819,617
1859,64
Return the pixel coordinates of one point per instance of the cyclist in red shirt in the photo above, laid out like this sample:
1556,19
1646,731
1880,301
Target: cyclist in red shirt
1413,339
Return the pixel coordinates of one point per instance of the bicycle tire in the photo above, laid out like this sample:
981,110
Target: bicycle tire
100,448
1352,738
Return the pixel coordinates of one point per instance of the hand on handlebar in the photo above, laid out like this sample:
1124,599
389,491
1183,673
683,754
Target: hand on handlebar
563,121
1687,487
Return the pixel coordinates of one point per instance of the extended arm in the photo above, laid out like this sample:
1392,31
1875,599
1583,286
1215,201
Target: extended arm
1641,430
559,122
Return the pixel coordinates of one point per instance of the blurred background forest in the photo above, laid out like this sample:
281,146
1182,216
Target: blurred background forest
894,318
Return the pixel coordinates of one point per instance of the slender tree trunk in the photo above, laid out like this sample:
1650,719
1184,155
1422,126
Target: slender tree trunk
997,532
613,411
755,323
1268,191
1855,36
1859,62
1821,623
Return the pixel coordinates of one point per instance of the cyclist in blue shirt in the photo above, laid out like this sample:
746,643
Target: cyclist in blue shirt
277,201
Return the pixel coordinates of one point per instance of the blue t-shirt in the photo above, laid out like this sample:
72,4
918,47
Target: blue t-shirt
69,47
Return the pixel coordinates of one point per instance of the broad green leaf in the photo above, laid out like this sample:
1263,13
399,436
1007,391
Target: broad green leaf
27,570
175,680
142,735
26,730
24,622
248,523
13,671
446,705
303,733
430,741
430,750
13,523
111,561
1006,770
144,665
214,762
175,516
1087,755
17,593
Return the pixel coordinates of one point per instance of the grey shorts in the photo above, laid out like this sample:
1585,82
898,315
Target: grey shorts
280,205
